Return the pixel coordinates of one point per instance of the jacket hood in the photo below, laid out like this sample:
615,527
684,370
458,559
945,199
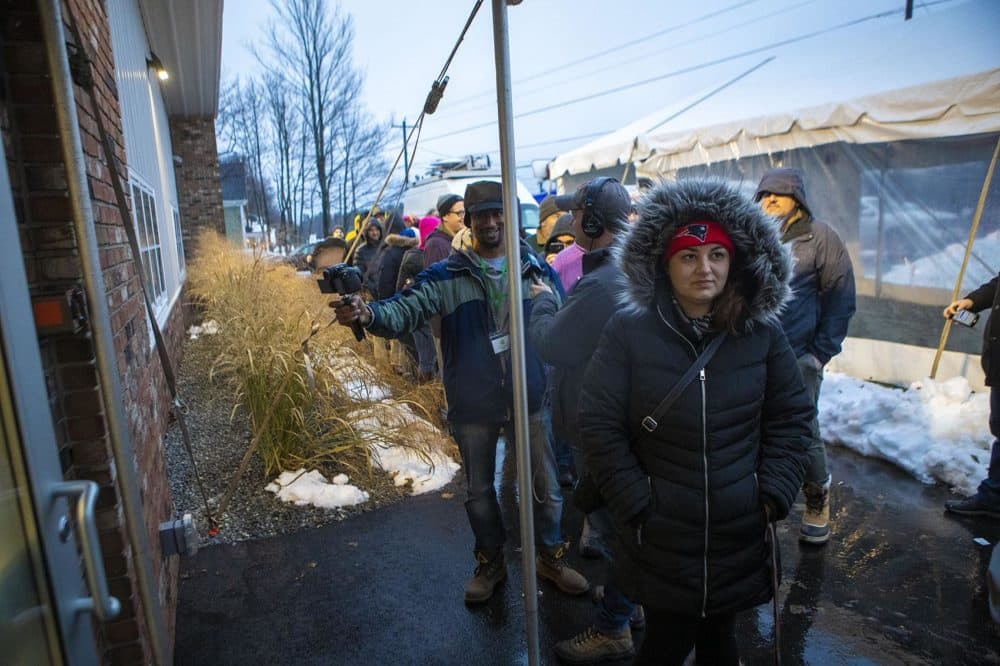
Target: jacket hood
399,240
761,263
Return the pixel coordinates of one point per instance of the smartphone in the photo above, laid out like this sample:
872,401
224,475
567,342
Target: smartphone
966,318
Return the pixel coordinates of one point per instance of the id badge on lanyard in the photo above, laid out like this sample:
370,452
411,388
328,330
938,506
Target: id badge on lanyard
500,342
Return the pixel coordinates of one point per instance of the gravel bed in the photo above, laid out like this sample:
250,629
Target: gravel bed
219,444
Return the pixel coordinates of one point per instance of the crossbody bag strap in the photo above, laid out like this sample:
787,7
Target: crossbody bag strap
652,421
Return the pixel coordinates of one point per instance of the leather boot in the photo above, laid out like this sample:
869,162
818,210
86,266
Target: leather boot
490,571
816,519
551,564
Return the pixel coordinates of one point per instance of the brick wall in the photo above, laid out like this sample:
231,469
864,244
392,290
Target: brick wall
198,185
38,181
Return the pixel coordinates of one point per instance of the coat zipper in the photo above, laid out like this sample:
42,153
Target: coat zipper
704,458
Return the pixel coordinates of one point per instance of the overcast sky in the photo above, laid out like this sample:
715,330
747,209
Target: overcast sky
561,50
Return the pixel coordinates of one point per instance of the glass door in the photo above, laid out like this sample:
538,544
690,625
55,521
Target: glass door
46,609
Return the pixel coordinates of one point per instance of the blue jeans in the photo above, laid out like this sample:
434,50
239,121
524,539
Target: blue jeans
477,443
989,488
816,471
614,612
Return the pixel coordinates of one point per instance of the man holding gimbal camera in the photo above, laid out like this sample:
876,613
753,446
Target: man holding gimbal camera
468,290
986,501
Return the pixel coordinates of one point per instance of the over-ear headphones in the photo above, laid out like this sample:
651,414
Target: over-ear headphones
592,223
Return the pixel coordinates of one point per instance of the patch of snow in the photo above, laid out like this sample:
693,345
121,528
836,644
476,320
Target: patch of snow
421,465
357,378
935,430
303,488
941,269
210,327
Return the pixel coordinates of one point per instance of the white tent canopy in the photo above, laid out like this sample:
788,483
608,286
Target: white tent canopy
935,75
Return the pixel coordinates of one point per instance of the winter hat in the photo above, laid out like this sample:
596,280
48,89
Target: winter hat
446,201
552,204
699,232
786,181
427,226
482,195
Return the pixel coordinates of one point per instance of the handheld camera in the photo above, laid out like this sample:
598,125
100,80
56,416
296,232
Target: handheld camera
345,280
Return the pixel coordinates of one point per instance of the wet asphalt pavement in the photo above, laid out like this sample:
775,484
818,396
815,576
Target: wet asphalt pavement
899,583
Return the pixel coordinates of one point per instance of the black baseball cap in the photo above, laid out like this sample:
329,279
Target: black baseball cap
482,195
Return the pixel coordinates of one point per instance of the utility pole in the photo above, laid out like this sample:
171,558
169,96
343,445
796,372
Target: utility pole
406,156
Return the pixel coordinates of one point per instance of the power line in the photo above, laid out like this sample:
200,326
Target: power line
557,68
684,70
615,65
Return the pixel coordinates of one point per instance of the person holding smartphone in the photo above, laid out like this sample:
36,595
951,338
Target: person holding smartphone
986,501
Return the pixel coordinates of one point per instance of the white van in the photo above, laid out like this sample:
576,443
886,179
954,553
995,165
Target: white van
421,197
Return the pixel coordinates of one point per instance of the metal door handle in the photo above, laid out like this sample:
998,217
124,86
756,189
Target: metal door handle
101,603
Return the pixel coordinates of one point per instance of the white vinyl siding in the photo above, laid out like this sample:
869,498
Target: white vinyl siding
149,154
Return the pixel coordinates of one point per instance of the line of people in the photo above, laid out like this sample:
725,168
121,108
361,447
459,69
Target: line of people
697,298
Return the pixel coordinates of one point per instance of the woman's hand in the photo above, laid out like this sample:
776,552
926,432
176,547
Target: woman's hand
961,304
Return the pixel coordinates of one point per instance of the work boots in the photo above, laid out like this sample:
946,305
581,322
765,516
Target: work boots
816,519
551,563
490,571
592,646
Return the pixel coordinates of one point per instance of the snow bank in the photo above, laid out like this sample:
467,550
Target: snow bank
303,488
935,430
426,469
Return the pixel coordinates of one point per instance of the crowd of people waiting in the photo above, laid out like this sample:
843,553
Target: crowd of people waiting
674,348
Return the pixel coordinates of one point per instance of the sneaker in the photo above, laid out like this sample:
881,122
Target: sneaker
973,506
816,519
637,620
551,563
592,646
489,573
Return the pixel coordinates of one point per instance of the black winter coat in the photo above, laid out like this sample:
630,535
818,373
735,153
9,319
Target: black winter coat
567,337
688,498
387,263
410,267
987,296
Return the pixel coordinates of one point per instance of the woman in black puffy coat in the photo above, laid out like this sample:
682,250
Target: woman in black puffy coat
692,497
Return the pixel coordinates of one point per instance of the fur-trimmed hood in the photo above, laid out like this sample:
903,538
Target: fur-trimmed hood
762,262
398,240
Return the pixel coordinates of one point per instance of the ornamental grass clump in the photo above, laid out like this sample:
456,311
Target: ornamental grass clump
293,375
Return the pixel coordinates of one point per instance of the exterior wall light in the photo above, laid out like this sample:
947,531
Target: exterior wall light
161,71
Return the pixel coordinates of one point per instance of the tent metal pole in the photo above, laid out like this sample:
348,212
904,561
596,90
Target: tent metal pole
512,239
968,251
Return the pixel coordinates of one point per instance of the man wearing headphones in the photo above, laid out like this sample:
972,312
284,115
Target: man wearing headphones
468,290
566,338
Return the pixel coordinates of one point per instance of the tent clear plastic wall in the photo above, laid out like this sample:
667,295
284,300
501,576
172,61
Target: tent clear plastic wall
896,172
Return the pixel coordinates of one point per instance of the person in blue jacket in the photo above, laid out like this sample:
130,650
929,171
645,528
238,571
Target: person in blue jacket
815,318
468,290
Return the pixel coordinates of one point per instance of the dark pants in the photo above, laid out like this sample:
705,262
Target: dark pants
989,489
816,471
670,637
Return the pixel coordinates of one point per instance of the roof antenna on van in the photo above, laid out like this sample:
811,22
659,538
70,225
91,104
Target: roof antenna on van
435,95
